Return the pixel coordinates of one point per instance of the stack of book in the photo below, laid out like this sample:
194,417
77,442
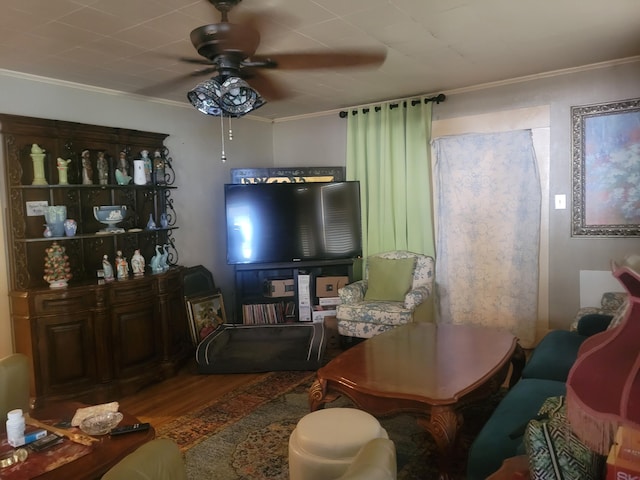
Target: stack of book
263,313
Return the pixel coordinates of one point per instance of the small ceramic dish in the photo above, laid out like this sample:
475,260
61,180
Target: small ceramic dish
101,423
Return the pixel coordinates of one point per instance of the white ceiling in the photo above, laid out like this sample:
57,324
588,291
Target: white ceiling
432,45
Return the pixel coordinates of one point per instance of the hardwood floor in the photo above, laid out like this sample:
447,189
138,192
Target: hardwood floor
161,403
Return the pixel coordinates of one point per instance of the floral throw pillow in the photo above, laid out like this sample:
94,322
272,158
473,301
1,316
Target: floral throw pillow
619,315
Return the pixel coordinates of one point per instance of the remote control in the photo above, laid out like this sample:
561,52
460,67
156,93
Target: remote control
136,427
45,442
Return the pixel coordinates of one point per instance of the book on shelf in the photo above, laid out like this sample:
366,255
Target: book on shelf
263,313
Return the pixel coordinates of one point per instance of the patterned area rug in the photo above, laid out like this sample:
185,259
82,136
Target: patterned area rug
244,435
195,427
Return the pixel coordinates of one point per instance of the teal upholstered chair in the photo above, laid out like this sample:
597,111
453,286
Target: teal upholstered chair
393,292
14,384
160,459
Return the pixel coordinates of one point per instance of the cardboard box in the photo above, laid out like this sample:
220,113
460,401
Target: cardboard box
279,288
320,313
329,301
623,462
328,286
628,442
620,468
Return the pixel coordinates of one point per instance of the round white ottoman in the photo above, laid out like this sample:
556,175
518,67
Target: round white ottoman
325,442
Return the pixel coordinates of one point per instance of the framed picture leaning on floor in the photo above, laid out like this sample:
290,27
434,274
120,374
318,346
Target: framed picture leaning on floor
205,314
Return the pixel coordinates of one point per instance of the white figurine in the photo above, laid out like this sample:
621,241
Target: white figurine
155,261
122,266
137,263
103,169
164,265
87,169
107,268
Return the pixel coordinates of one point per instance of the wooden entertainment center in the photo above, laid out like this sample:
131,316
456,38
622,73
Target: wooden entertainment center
93,340
268,291
251,280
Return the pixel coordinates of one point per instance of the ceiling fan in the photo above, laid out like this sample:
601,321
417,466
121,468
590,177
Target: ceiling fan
229,51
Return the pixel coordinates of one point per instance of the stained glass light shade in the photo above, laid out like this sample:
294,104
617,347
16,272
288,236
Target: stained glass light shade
233,97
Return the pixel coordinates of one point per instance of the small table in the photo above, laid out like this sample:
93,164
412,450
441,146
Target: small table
432,371
104,453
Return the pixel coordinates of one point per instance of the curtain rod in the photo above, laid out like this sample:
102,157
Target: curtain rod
438,98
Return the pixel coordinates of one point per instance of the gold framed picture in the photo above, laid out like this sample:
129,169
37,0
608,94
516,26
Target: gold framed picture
205,314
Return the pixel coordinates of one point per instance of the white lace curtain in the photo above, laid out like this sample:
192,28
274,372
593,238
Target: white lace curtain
488,231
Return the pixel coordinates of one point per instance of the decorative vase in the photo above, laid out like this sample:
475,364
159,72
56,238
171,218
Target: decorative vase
63,168
37,155
70,227
55,216
164,220
139,177
151,224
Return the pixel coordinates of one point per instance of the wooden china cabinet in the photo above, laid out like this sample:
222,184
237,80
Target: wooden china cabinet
93,340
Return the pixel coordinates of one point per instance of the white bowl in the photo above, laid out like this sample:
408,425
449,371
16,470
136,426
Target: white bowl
101,423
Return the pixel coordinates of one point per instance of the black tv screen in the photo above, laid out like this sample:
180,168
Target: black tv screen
290,222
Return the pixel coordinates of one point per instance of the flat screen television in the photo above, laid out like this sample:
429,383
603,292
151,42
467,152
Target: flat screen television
291,222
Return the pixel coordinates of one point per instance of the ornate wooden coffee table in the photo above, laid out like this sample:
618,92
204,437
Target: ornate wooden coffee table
432,371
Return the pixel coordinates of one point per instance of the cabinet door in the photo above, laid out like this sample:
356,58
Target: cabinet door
66,354
172,309
136,329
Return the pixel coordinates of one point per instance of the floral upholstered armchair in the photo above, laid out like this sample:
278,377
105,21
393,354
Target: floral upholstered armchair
393,292
612,304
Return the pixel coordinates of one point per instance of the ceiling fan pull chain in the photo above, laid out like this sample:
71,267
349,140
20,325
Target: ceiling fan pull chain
230,131
223,157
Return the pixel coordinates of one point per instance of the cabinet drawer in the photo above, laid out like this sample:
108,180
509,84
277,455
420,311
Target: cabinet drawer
132,291
54,303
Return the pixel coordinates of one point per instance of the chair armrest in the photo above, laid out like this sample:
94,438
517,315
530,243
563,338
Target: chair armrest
353,293
417,296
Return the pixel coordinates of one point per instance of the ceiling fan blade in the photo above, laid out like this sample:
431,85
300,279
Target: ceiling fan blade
264,85
265,21
197,61
171,84
315,60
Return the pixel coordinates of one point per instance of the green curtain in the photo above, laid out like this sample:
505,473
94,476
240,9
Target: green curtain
388,152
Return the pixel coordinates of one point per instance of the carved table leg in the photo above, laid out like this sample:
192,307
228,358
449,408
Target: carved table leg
443,425
316,395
